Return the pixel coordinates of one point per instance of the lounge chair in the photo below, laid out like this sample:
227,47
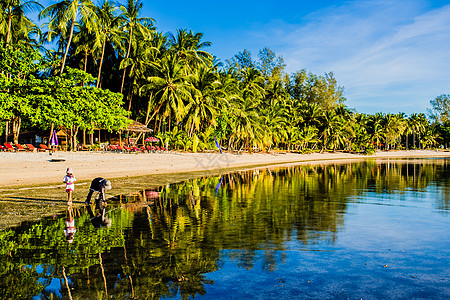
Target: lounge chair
43,147
19,147
31,148
128,149
9,147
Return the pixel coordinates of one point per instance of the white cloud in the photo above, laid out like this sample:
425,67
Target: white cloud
390,56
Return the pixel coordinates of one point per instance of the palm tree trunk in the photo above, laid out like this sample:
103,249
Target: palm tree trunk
101,63
85,59
68,46
8,35
128,54
131,99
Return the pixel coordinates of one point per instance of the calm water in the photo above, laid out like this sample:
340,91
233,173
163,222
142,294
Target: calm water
346,231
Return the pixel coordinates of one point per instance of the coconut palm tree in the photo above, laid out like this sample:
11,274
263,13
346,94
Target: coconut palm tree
252,86
202,109
376,129
84,42
187,46
108,29
66,14
131,12
172,90
143,62
417,125
12,16
14,25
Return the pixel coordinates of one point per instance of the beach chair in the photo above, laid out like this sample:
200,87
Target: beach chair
31,148
43,147
9,147
143,149
128,149
19,147
135,149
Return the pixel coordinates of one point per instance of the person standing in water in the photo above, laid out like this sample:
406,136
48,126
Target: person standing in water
69,180
100,185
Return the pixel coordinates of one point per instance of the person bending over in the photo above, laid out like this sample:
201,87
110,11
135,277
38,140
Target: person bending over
100,185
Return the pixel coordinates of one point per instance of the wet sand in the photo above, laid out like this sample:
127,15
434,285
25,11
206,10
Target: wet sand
31,183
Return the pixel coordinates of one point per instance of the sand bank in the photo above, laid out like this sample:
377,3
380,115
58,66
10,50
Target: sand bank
43,168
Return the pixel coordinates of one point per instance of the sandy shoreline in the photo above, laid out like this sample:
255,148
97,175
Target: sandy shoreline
37,168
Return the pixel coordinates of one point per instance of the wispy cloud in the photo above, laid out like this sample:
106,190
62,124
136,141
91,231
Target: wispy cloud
389,55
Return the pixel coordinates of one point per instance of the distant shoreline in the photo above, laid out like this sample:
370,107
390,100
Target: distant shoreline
28,169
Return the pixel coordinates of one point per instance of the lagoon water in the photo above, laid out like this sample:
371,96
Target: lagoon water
367,230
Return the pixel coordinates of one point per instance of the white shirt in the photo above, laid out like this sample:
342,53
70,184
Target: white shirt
69,180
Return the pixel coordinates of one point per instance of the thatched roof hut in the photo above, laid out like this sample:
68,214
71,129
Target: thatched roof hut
138,127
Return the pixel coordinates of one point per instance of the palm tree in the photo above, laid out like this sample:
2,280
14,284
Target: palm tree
252,85
13,18
109,26
202,109
171,88
84,42
417,125
131,13
143,60
188,45
376,128
248,129
64,14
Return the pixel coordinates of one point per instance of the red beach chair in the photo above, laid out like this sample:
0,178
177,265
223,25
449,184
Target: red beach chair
9,147
43,147
19,147
31,148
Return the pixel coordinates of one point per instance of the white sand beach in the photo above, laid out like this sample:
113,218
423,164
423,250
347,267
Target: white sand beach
24,169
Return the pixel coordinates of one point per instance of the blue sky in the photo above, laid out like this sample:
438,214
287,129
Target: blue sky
390,56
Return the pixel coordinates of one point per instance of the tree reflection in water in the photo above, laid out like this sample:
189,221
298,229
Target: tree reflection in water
164,243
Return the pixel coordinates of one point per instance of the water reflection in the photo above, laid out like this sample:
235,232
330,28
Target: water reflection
257,233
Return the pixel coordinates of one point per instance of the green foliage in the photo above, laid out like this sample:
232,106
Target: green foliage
169,79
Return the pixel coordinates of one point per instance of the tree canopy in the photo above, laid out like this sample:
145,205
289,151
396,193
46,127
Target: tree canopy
171,83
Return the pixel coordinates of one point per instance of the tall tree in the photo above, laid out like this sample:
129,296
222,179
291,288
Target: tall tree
63,15
131,12
188,46
13,16
108,28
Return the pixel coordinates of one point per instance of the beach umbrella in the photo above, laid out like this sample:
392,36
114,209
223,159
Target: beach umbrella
54,139
151,139
218,146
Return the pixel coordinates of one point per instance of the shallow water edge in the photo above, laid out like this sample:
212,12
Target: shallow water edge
30,203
